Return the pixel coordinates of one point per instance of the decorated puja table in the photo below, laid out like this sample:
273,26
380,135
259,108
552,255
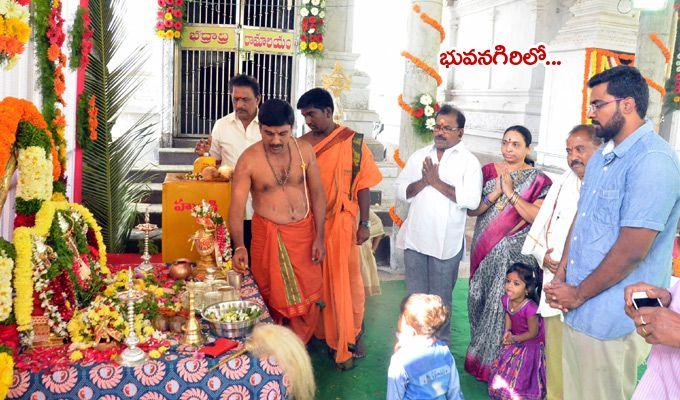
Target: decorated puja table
174,370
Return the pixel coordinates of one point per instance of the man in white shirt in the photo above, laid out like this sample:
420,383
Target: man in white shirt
546,239
235,132
441,182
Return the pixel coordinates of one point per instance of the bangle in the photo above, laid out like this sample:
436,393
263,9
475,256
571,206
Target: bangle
514,198
239,248
485,200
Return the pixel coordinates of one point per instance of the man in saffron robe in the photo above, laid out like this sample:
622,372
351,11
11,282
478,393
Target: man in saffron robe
289,202
348,171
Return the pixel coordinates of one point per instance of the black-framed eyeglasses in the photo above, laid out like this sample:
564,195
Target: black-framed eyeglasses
593,107
445,129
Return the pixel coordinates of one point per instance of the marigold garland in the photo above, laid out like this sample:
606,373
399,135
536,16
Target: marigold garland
655,86
398,159
664,50
423,65
395,218
404,106
425,17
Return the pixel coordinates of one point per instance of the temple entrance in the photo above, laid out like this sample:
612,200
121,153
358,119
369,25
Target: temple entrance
224,38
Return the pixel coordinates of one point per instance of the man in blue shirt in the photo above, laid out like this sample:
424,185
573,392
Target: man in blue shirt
623,233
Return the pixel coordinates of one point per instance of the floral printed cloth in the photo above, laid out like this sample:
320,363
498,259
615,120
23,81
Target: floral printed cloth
178,374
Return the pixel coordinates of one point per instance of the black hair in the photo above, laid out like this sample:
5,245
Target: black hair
276,112
245,80
590,130
526,134
316,98
530,277
447,109
624,81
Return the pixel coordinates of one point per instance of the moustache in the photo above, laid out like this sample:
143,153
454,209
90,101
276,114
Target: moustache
575,163
439,138
241,110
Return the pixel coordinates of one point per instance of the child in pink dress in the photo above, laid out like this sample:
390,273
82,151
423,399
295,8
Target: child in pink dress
519,370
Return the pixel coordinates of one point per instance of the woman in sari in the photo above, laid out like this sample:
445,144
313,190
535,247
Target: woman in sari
512,194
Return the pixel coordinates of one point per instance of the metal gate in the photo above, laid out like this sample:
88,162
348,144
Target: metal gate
223,38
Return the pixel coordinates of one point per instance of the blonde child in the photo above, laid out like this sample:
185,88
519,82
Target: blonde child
422,367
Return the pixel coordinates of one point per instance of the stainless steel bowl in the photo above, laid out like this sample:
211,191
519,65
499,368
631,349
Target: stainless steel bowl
230,329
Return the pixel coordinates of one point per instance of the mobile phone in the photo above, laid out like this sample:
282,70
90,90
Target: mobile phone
640,300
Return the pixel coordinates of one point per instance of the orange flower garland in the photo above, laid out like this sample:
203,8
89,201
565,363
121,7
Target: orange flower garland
395,218
398,159
13,111
655,86
404,106
92,122
666,53
436,25
423,65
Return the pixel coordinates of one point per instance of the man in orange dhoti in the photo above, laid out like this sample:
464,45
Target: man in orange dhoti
288,240
347,173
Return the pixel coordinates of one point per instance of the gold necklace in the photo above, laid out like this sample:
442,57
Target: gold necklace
284,177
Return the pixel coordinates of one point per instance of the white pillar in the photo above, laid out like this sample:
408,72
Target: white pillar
424,43
594,24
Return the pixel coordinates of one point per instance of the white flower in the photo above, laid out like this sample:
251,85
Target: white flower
303,11
315,11
16,10
305,1
429,111
311,30
35,179
322,14
316,2
429,123
425,100
4,4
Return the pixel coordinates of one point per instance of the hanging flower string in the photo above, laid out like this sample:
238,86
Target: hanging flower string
80,39
86,130
664,50
313,13
170,19
425,17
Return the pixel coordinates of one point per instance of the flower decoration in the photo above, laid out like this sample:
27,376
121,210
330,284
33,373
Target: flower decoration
80,39
312,26
49,39
170,19
86,129
6,371
211,220
422,113
45,265
14,31
7,255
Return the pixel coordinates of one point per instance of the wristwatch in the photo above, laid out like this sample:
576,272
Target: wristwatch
366,223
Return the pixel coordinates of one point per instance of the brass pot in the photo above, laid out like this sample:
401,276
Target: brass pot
180,269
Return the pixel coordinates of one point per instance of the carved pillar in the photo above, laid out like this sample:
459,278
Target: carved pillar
594,24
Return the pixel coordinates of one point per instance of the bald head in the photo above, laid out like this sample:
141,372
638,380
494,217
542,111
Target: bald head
581,143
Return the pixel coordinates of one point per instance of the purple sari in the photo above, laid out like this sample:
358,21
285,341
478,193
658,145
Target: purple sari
494,248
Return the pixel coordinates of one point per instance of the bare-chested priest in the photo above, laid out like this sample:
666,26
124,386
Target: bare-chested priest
289,202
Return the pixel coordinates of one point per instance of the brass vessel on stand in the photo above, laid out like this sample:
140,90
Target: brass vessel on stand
204,241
